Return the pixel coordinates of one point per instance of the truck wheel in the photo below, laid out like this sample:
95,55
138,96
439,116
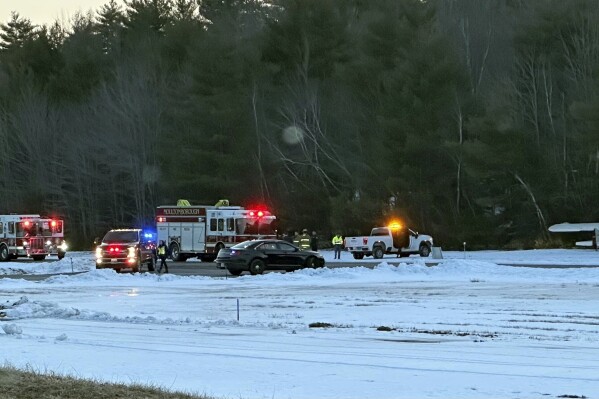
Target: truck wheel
218,247
38,257
138,264
175,252
4,255
152,264
377,253
425,250
358,255
61,255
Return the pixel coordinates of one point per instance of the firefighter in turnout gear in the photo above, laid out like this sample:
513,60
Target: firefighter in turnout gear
296,239
304,240
161,250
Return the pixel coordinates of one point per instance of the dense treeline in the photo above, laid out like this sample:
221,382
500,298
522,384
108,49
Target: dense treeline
473,120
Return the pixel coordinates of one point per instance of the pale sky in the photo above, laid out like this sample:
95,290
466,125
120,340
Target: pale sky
47,11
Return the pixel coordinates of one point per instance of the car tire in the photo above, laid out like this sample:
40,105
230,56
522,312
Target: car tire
257,266
61,255
311,263
4,254
235,272
425,250
378,252
358,255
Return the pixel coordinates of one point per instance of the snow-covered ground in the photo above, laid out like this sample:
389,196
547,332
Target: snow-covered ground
468,328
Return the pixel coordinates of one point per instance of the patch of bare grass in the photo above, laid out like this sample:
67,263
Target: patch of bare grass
30,384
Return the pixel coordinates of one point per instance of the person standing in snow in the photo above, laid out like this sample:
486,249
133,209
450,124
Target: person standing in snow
304,240
161,250
314,242
337,243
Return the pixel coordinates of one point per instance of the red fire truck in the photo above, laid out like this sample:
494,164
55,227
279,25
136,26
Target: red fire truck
30,235
203,230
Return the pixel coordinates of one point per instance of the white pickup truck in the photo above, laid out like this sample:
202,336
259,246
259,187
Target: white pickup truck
398,240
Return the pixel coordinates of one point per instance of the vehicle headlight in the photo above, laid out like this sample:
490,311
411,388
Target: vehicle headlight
25,243
98,252
64,246
131,252
48,243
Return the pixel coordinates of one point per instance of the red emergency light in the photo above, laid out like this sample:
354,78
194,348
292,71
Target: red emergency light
26,223
256,214
113,249
53,223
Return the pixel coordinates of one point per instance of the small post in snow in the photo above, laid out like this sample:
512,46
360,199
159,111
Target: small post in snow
72,270
464,249
237,309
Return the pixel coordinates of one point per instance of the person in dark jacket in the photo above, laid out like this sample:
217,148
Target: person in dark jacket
289,237
161,250
314,241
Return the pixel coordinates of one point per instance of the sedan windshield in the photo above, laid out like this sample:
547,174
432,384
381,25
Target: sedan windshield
120,237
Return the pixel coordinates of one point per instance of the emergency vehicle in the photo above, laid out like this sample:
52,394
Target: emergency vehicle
30,235
203,230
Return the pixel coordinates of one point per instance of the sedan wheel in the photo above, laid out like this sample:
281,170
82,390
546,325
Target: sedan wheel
257,267
235,272
311,262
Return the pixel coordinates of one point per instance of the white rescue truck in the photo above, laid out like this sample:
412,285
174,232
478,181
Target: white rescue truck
200,231
32,236
393,239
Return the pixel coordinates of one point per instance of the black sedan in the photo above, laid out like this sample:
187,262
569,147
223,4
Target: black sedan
256,256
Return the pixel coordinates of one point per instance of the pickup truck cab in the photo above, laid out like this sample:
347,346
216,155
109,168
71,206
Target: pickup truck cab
123,249
394,239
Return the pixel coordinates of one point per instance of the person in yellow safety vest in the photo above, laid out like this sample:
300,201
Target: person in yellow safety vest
161,251
337,243
304,240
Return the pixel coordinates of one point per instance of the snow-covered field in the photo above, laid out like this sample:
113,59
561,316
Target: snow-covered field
467,328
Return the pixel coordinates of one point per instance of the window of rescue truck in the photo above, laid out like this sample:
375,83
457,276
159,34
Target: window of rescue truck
27,227
257,226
